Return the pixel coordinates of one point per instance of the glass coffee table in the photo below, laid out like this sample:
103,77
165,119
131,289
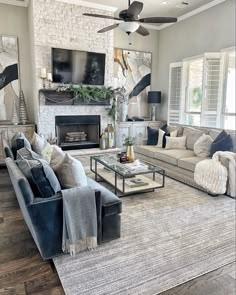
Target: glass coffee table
128,178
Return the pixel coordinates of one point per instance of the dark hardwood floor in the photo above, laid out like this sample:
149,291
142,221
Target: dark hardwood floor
22,271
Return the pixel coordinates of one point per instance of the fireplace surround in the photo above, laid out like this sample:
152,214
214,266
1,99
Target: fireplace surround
78,132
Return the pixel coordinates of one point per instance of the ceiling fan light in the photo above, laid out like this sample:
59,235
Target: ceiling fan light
129,27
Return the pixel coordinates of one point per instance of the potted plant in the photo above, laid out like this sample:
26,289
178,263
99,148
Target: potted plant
129,143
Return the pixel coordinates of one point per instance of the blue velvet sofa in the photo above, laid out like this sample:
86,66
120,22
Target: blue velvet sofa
44,216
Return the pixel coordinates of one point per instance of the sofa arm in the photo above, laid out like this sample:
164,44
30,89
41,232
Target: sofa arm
47,221
7,149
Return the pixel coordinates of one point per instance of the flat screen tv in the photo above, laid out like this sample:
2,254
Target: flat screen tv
78,67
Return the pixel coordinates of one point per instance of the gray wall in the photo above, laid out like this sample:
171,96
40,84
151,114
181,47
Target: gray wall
208,31
14,22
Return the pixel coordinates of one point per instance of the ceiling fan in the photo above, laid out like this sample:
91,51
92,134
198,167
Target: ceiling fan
130,21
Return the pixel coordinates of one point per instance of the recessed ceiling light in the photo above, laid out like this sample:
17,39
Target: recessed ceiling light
182,4
165,2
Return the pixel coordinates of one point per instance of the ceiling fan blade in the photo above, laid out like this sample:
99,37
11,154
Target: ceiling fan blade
158,20
101,16
142,31
109,28
135,8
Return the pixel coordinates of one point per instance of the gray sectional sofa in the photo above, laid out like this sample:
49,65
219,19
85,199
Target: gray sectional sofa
179,164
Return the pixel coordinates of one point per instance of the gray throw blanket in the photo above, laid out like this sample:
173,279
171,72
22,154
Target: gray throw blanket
79,220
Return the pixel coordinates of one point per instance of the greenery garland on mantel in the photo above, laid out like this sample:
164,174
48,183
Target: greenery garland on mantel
89,94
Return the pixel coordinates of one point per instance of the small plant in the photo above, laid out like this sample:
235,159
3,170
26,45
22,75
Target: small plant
130,141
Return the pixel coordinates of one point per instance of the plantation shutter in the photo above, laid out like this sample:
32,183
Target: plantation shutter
212,77
175,94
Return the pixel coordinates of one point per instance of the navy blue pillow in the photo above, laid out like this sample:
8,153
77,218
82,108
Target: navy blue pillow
153,135
223,142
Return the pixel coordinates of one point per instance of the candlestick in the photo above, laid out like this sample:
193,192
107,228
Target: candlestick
49,80
43,73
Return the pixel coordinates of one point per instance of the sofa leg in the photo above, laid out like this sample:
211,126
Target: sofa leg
213,195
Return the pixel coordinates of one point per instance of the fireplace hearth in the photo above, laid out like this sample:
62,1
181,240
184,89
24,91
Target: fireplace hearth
77,132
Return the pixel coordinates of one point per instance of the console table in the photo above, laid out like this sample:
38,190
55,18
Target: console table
137,129
8,131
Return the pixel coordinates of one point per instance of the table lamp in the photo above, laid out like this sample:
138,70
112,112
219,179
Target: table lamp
154,98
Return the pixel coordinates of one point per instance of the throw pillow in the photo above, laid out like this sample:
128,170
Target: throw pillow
174,128
56,157
47,153
26,153
19,141
162,137
192,135
41,177
174,133
175,143
70,173
202,146
38,143
223,142
152,135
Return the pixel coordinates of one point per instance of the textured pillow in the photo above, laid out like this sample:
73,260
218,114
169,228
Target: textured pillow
56,157
223,142
26,153
192,135
38,143
19,141
70,173
202,146
41,177
175,143
47,153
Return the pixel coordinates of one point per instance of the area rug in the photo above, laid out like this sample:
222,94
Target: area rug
168,237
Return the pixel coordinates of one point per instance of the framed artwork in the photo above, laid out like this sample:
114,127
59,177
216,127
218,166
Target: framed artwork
9,76
132,70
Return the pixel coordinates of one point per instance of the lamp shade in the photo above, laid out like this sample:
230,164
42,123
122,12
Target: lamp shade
129,27
154,97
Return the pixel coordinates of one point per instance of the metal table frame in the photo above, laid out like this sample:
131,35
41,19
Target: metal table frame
96,160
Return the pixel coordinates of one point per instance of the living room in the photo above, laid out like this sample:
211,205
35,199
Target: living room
148,124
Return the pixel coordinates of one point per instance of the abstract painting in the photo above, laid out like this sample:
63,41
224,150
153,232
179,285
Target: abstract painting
132,70
9,75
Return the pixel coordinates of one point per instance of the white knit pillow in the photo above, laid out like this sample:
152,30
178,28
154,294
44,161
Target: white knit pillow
38,143
70,173
202,146
175,143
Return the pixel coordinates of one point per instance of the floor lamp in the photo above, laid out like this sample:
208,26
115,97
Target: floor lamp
154,98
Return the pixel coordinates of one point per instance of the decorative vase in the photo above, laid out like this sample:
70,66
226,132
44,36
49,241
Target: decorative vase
130,152
22,109
15,116
110,135
123,111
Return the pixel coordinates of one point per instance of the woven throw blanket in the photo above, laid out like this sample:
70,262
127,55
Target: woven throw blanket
231,167
79,220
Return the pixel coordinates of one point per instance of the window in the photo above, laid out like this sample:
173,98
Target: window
202,91
229,111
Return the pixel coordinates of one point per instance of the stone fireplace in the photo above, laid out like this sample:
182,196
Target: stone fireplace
78,132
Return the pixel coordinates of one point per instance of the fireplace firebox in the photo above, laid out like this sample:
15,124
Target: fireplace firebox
77,132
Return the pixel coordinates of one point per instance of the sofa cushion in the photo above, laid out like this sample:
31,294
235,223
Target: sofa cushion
189,163
223,142
70,173
19,141
146,150
110,202
192,135
172,156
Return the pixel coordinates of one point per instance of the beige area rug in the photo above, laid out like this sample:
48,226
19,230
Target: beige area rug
168,237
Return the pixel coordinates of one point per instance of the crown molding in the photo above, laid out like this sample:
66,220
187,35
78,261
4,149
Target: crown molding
90,4
24,3
192,13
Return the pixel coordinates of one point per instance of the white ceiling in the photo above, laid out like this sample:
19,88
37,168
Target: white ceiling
151,7
155,7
